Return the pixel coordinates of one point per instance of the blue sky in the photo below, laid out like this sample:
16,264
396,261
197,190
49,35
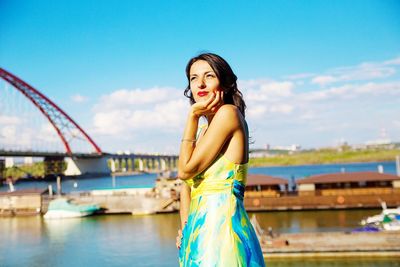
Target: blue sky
313,72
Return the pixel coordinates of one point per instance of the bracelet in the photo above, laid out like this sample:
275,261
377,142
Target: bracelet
189,140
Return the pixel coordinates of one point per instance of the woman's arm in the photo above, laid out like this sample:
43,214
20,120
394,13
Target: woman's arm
183,211
184,204
189,134
194,158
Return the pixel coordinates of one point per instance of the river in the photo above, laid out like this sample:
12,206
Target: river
126,240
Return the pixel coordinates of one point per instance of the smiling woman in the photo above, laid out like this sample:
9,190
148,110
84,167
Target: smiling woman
213,162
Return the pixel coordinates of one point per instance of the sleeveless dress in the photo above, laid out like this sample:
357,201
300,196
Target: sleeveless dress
218,231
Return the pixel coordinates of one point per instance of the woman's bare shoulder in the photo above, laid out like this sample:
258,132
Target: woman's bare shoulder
227,116
228,110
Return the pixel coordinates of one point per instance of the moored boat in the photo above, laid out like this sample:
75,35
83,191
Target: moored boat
388,219
391,222
65,208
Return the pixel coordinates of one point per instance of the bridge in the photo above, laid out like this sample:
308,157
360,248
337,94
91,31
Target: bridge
93,161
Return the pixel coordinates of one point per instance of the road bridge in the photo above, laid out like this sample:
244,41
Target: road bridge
93,162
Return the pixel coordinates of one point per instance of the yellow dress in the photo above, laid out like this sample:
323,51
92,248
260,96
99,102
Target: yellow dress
218,231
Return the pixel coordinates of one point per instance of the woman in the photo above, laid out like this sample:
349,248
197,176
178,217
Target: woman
213,165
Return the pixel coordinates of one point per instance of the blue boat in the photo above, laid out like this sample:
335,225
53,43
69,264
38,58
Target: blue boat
65,208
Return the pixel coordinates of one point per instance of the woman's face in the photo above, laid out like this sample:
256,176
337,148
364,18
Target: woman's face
203,80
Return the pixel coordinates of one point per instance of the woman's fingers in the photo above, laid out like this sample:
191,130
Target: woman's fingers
179,239
210,105
210,100
214,101
218,101
201,108
203,104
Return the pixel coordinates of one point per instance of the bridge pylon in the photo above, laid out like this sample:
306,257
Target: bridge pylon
87,166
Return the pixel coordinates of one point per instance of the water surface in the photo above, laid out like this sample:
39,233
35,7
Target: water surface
125,240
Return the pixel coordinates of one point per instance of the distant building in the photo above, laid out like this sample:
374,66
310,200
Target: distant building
353,183
28,160
22,202
265,186
2,169
270,151
293,148
326,191
9,162
382,142
261,153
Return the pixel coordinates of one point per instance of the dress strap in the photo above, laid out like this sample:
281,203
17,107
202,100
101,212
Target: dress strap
200,129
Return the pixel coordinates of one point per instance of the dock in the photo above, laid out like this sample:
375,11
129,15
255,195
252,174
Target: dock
329,244
136,201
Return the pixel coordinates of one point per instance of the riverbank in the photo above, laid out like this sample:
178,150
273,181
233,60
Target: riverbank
327,156
332,244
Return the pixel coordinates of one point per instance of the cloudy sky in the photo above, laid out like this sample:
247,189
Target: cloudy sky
313,73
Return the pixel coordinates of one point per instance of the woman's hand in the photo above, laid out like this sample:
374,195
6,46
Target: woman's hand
210,106
179,239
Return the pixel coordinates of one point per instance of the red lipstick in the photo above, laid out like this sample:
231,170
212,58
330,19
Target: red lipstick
202,93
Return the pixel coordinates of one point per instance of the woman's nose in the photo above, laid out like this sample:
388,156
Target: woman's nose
201,84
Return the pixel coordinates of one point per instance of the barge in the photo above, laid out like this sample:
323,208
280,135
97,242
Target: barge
320,192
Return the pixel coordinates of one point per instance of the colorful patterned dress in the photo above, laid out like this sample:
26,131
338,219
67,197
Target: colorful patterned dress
218,231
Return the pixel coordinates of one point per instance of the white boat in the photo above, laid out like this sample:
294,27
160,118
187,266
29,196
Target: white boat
388,219
65,208
391,222
376,219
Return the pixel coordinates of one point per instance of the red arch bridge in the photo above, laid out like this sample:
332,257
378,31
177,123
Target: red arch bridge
92,162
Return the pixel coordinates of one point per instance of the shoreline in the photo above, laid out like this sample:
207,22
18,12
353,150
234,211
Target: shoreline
323,163
78,177
332,255
325,157
331,244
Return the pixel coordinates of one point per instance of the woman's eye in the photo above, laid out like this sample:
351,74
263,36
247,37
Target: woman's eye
192,79
210,76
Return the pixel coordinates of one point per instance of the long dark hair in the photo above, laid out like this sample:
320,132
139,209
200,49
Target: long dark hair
226,77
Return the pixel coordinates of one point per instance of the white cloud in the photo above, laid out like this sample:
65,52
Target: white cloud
78,98
127,112
125,98
253,83
11,120
8,132
48,133
299,76
394,61
23,136
361,72
308,115
320,116
396,123
347,91
324,79
268,91
256,111
282,108
281,89
389,88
